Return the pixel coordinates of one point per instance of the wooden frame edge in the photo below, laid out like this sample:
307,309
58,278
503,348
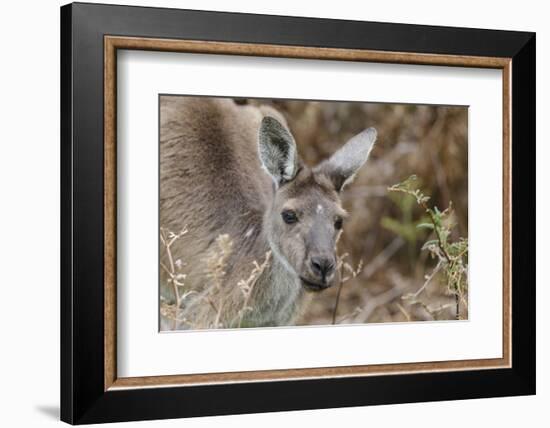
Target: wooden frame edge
301,52
109,173
112,43
507,213
298,374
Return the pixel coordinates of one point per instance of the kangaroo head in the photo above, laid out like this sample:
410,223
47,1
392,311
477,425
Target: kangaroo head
306,216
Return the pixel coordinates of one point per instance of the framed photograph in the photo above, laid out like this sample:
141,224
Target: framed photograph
265,213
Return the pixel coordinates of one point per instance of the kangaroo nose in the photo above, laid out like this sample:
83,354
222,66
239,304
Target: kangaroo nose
322,266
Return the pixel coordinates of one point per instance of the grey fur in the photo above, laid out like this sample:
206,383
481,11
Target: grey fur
343,165
277,150
213,160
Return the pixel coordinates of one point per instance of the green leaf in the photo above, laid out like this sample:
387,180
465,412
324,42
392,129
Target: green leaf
429,243
425,226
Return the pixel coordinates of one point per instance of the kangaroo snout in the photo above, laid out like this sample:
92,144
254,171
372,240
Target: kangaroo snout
322,267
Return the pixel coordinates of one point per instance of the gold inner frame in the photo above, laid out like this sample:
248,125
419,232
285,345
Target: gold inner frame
113,43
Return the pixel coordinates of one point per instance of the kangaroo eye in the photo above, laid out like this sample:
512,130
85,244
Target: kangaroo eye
289,216
338,223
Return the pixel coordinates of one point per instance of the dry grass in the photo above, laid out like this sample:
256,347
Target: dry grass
207,308
247,287
173,268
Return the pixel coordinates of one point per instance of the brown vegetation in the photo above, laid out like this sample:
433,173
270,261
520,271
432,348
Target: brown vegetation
389,273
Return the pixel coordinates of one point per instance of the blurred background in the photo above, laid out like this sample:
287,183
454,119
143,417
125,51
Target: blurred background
387,267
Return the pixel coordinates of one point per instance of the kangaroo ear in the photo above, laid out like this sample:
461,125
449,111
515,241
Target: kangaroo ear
277,150
342,166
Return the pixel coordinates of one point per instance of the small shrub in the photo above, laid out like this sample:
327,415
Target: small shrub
451,254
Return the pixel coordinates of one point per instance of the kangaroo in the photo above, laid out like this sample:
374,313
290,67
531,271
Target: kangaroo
229,169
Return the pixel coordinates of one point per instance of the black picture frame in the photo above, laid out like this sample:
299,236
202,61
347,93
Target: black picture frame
83,398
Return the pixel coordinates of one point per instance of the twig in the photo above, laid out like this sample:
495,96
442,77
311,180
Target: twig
167,241
379,300
380,260
404,312
342,266
382,257
428,279
340,285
